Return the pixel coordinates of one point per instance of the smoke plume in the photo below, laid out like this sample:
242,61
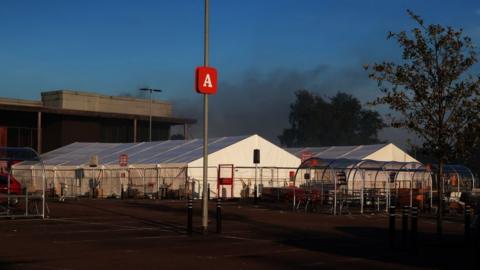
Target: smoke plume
260,103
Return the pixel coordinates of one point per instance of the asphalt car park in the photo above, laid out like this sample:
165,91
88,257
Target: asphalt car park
151,234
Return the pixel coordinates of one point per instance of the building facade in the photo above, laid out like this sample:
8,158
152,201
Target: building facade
64,116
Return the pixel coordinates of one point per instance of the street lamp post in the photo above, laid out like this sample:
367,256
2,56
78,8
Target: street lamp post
205,128
150,114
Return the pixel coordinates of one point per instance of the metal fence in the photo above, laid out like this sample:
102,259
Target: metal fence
107,183
343,185
151,182
22,197
330,190
21,200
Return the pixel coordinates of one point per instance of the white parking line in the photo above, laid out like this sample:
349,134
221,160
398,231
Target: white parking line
118,239
290,250
313,264
95,223
108,230
32,266
244,238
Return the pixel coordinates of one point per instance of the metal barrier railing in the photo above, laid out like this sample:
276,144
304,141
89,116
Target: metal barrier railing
21,197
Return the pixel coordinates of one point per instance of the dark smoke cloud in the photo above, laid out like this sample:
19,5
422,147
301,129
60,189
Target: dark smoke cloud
259,103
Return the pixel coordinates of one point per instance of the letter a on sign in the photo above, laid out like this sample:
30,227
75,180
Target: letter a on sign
206,80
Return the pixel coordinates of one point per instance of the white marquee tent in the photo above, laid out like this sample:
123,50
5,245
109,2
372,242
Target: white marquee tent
175,164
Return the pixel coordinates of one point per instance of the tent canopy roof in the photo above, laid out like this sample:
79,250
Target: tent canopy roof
18,153
158,152
379,152
348,164
342,164
338,152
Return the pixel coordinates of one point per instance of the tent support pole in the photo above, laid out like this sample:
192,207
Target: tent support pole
362,199
431,191
158,182
335,194
411,191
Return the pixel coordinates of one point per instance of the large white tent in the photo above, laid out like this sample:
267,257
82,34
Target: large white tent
175,164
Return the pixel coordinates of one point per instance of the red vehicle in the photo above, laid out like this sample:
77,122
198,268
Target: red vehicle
15,187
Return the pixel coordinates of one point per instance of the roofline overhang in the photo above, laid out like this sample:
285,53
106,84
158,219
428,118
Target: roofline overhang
48,110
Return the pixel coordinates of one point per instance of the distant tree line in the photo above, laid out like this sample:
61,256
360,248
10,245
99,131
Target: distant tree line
339,120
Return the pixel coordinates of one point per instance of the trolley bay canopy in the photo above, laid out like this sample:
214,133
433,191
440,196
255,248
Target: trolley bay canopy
379,182
15,154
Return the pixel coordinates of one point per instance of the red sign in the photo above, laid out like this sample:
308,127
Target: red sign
123,160
225,181
206,80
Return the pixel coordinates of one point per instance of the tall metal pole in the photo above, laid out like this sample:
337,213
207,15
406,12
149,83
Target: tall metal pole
151,90
150,129
205,130
39,133
255,191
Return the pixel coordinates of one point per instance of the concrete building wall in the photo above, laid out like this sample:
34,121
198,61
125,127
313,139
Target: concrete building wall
61,130
65,116
73,100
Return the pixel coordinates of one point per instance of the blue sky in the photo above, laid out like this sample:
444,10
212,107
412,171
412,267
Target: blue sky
115,47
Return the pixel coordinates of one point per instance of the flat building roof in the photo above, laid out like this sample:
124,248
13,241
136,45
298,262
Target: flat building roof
70,102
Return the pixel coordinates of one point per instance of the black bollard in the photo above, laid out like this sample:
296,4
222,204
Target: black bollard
414,229
190,216
219,215
405,226
467,224
391,226
477,242
208,192
121,192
